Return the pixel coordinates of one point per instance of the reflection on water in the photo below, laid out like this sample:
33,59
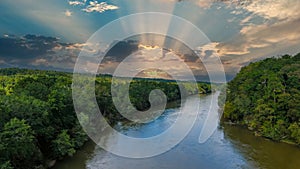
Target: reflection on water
188,154
266,153
229,147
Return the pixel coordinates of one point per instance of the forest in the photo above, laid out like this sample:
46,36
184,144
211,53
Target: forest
265,97
38,122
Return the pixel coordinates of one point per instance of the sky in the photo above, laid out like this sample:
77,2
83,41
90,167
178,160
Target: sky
49,34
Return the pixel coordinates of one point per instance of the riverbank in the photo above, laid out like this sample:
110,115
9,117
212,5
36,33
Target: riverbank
229,147
256,134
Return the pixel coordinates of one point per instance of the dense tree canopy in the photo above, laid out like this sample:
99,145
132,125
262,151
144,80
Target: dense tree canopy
265,96
38,121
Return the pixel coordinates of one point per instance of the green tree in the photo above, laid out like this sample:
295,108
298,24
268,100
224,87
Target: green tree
18,143
295,132
6,165
63,145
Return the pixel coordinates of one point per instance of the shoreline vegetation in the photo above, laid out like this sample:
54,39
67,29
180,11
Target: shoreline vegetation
264,97
38,122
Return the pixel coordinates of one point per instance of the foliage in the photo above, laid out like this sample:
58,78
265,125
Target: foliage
38,121
6,165
265,96
18,143
63,145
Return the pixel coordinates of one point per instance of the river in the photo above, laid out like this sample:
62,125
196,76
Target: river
228,148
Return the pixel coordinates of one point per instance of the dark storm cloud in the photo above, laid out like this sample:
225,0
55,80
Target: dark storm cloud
190,57
26,47
34,51
121,50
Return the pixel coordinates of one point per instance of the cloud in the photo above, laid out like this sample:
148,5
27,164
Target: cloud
151,56
33,51
208,50
262,36
203,3
38,52
268,9
267,28
101,7
256,42
25,47
68,13
76,3
121,50
279,9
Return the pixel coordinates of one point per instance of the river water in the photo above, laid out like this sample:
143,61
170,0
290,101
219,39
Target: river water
228,148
